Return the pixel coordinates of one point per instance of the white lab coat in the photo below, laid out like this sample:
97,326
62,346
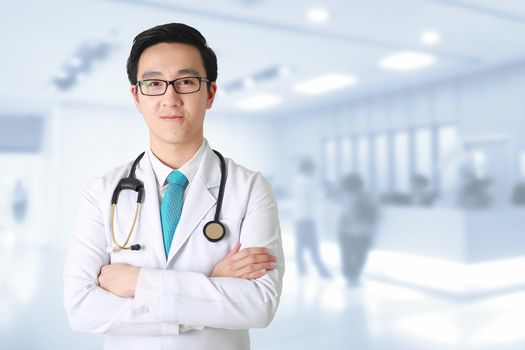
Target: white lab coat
176,304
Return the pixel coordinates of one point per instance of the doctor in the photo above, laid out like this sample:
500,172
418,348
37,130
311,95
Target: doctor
176,289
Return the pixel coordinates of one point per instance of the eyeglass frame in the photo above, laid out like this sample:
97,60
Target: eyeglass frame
172,82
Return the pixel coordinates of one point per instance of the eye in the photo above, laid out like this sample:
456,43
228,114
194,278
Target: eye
187,81
153,83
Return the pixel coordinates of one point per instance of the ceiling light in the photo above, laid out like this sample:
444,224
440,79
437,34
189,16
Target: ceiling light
430,37
325,83
317,15
249,82
284,71
259,102
406,61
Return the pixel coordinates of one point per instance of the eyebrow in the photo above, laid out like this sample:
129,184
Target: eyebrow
152,74
189,71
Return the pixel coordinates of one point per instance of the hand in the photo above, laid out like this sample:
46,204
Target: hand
119,279
249,263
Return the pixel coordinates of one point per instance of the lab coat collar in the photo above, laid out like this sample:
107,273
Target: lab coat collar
210,168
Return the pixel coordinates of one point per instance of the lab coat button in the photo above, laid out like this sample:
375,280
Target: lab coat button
144,309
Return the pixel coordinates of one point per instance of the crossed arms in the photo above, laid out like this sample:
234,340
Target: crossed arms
249,263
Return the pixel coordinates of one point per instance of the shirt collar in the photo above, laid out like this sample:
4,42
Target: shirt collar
189,169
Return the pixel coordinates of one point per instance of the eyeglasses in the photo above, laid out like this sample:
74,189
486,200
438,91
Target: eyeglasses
157,87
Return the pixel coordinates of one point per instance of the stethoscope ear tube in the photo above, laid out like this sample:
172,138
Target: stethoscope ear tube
125,245
127,183
130,183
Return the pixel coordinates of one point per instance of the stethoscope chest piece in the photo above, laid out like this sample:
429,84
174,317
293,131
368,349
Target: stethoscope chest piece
214,231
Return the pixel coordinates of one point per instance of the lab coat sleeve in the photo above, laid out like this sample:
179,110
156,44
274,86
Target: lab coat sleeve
190,298
90,308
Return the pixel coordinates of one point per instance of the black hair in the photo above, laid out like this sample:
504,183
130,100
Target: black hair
171,33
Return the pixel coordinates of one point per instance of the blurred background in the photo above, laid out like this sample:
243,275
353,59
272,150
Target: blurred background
392,133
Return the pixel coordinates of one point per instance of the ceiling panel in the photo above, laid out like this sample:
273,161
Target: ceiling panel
251,36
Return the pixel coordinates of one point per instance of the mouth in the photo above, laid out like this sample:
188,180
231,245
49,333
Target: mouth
171,117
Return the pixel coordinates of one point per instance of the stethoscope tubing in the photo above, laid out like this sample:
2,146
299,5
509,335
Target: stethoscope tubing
214,230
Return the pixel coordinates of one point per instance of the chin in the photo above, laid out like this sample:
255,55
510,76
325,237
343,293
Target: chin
174,141
175,138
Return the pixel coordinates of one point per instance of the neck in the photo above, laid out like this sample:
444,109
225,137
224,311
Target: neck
175,155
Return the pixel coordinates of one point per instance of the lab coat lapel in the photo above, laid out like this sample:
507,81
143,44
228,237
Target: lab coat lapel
199,200
150,228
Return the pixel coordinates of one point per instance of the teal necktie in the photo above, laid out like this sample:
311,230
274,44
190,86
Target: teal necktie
171,207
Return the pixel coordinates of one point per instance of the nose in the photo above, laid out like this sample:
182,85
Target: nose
171,97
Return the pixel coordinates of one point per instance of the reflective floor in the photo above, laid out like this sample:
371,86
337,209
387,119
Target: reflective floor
314,312
318,313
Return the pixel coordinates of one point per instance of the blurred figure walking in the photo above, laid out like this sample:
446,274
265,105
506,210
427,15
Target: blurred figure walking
304,191
357,226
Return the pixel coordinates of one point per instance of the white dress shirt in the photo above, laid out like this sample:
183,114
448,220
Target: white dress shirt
189,169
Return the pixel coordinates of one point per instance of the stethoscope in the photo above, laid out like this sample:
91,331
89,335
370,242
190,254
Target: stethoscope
214,231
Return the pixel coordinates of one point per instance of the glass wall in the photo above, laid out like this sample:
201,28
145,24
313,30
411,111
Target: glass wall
389,161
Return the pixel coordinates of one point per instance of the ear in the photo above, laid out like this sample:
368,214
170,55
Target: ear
135,94
212,91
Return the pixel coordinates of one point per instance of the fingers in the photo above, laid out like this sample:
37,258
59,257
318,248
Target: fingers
251,263
253,259
250,251
254,275
248,269
248,263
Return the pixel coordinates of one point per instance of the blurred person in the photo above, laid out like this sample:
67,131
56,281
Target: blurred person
179,279
421,193
304,198
20,202
518,194
474,190
357,226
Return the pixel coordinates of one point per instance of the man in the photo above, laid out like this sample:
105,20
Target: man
303,196
176,289
357,226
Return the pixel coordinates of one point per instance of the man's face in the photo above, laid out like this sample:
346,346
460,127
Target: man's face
173,118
